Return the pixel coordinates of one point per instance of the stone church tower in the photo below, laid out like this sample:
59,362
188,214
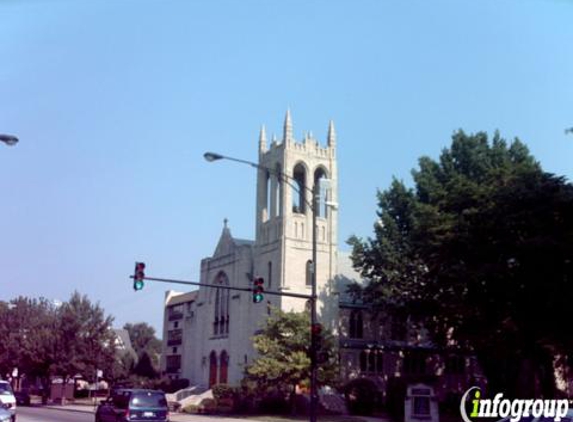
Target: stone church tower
283,242
208,333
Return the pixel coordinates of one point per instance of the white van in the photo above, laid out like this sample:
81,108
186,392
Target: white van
7,399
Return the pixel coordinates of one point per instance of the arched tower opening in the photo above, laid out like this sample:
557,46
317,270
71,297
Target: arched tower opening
320,173
299,189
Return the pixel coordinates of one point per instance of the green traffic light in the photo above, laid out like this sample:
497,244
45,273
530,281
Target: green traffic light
257,298
138,285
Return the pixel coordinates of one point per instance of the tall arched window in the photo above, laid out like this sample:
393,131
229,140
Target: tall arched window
309,270
212,368
372,361
279,191
363,361
269,195
380,362
298,202
221,321
320,173
356,326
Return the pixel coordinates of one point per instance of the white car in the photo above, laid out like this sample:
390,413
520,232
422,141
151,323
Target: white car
5,416
7,399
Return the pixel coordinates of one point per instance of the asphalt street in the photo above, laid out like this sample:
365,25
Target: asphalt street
42,414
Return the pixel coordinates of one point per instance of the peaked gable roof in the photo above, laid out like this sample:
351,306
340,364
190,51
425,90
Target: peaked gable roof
227,243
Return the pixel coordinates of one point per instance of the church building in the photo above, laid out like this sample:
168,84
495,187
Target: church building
207,335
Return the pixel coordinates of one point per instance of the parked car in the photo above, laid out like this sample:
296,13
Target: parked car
7,399
133,405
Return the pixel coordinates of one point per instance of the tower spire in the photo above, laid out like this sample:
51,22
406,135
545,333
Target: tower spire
331,138
287,134
263,139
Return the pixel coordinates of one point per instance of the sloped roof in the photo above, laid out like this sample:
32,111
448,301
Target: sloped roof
183,298
243,242
227,243
123,338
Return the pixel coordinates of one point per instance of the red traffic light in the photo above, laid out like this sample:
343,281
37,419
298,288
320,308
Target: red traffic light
316,329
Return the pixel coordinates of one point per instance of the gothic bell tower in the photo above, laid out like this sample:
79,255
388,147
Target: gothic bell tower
284,215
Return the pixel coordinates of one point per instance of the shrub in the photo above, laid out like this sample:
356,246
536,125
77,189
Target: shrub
361,396
207,406
191,408
223,391
225,405
274,404
243,400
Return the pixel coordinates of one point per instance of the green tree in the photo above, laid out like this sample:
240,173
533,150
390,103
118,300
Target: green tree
144,367
481,248
85,341
26,326
143,340
43,340
283,348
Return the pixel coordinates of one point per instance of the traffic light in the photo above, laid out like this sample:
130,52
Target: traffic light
138,276
317,334
258,289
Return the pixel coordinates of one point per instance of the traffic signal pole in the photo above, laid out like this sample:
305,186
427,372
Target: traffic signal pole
220,286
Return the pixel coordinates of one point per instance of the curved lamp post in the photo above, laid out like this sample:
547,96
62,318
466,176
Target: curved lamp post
8,139
212,156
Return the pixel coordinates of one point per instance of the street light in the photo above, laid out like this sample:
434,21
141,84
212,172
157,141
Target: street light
212,156
8,139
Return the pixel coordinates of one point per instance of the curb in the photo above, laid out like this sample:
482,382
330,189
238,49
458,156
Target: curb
68,409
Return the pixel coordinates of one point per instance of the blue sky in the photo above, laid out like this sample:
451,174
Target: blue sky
115,103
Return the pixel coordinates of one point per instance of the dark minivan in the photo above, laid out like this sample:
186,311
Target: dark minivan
133,405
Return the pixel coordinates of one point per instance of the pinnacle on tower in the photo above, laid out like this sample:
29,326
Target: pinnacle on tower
287,134
331,138
263,139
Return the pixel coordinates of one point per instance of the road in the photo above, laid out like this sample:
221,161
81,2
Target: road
42,414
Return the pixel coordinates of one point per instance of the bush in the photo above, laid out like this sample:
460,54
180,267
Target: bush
223,391
207,406
225,405
191,408
361,396
243,400
275,404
